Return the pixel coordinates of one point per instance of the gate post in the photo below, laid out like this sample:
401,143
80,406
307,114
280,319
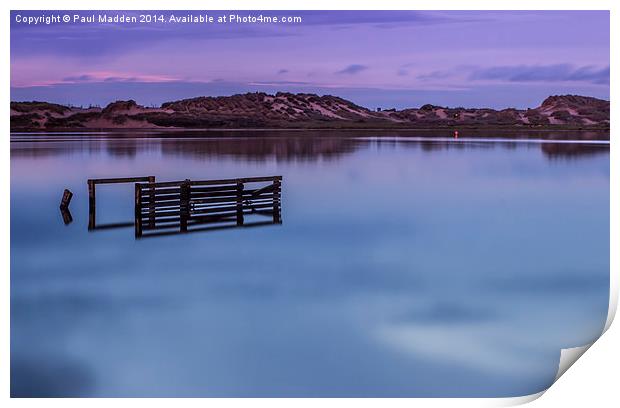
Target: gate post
91,204
184,204
151,202
138,211
239,203
276,201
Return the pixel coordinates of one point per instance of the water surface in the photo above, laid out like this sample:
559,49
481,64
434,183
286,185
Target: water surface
403,266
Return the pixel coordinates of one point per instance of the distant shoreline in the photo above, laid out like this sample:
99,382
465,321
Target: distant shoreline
560,134
331,126
309,112
316,129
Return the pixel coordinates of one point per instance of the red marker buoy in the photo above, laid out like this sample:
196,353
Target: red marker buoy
456,134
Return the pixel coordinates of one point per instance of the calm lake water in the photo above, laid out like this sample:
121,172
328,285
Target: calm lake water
403,267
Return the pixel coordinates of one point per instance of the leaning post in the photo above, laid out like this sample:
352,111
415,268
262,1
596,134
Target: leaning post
66,199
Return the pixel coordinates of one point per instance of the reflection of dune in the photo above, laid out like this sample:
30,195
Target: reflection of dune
551,150
290,146
286,146
41,149
278,148
572,150
123,147
437,145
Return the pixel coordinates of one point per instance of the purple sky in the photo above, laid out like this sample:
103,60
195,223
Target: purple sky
376,59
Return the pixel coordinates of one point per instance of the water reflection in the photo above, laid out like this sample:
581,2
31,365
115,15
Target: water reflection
400,270
46,376
572,150
65,213
288,146
261,149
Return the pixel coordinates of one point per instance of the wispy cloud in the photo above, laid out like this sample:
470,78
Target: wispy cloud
543,73
111,58
434,75
405,69
352,69
280,83
114,77
114,39
78,78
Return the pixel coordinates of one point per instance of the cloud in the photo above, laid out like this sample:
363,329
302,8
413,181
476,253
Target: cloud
353,69
403,70
75,39
98,40
78,78
496,95
543,73
434,75
112,77
280,83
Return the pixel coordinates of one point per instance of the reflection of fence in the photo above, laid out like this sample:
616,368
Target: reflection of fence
92,205
185,206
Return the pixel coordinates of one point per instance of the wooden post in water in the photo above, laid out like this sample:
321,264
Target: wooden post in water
91,204
276,201
66,199
138,211
239,203
184,205
151,202
66,215
64,207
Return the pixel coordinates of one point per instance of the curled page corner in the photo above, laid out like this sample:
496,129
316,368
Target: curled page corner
614,290
568,356
514,401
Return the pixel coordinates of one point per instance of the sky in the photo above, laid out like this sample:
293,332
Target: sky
385,59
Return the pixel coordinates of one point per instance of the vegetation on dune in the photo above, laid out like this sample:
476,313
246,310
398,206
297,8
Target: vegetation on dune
288,110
